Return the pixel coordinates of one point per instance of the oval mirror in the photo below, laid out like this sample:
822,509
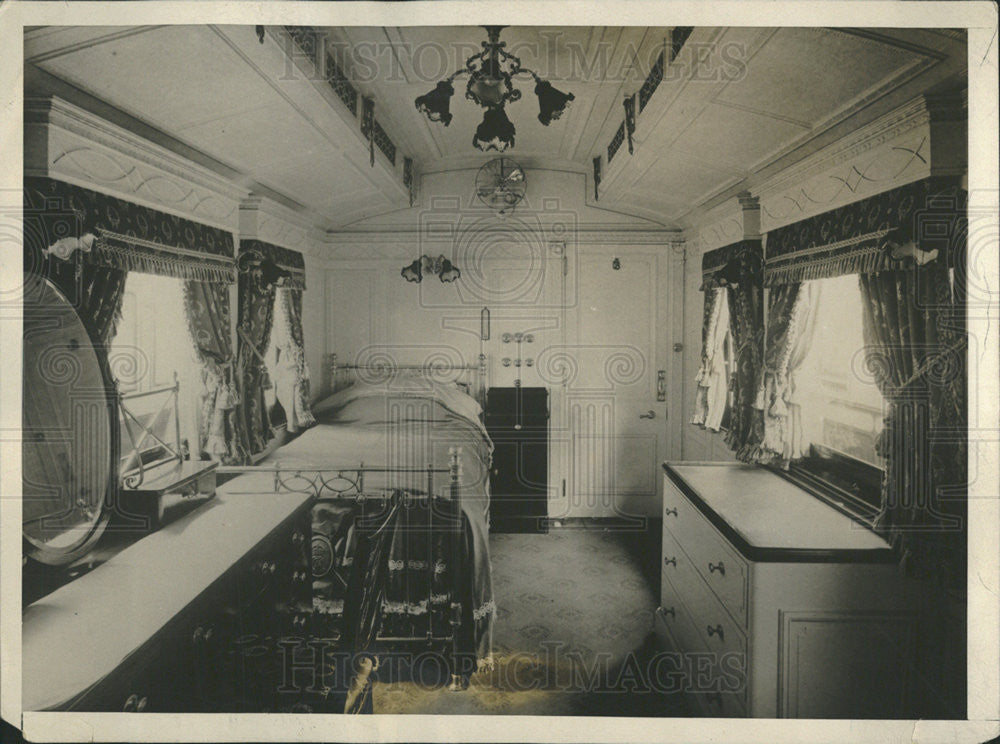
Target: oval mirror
70,427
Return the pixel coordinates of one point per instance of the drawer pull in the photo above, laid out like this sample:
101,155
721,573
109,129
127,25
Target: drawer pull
720,567
669,611
670,561
670,512
717,630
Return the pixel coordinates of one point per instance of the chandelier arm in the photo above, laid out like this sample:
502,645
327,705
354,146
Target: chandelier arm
457,73
527,71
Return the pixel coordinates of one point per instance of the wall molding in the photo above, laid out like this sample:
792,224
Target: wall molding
66,142
405,242
913,142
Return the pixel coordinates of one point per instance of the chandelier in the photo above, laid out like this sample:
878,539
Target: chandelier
490,86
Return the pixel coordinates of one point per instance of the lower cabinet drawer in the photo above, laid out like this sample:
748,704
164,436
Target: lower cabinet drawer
715,660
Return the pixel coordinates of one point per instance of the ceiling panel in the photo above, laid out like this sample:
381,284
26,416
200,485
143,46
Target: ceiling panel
171,77
808,73
218,91
737,139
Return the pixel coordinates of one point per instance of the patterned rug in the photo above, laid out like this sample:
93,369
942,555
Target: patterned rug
573,633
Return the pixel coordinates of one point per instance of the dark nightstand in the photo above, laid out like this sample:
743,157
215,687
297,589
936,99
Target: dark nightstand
517,420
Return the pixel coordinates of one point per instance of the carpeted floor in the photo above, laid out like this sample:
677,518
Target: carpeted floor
573,632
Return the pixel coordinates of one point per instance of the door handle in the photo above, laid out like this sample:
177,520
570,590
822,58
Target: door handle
650,414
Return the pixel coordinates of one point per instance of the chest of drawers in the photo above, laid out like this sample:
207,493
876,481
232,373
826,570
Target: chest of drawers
196,617
777,604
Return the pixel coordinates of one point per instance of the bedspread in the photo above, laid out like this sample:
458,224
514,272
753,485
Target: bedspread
405,431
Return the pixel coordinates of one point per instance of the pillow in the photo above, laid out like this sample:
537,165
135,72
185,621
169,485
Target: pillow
448,394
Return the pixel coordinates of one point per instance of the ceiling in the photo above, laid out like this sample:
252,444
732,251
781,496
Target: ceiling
736,104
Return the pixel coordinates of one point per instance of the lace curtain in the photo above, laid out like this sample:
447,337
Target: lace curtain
791,326
712,382
291,372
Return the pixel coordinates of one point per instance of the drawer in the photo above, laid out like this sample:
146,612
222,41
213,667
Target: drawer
715,681
724,570
715,650
676,569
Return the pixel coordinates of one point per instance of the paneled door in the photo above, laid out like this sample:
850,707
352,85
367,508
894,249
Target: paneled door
608,426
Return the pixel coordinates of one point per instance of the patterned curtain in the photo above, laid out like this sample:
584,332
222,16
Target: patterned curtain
746,313
58,246
916,348
713,387
103,230
791,325
96,292
222,428
256,318
291,372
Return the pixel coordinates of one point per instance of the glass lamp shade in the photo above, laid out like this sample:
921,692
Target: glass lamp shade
551,102
496,132
413,272
449,272
436,103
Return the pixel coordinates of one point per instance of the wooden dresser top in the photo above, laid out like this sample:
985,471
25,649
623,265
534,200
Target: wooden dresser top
78,634
766,516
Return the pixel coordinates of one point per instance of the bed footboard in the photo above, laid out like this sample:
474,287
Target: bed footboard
360,619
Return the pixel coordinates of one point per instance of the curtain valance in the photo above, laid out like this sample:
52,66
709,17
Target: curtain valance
866,236
61,218
284,259
720,267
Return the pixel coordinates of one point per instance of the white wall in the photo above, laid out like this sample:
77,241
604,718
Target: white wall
528,269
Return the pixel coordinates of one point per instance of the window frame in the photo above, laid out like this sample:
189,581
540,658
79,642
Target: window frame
850,485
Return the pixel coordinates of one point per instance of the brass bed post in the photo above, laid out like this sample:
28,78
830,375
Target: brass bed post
482,380
458,679
430,553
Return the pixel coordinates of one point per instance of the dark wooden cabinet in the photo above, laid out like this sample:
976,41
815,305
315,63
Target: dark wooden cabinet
517,419
227,621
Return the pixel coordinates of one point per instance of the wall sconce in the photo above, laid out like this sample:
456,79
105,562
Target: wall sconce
444,269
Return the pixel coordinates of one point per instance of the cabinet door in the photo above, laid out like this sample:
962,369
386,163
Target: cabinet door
518,494
845,665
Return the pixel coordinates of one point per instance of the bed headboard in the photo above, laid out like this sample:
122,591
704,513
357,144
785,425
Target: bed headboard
472,377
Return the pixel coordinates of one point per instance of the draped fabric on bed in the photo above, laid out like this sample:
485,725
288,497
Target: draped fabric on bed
258,291
405,587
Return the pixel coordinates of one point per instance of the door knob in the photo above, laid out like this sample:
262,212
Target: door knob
648,415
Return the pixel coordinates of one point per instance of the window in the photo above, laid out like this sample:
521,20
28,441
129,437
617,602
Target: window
842,407
151,345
